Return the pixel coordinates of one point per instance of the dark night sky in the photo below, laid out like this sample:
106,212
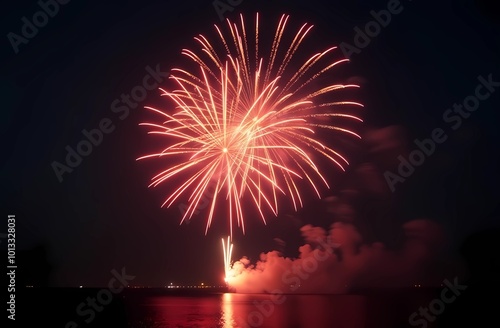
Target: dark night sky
103,217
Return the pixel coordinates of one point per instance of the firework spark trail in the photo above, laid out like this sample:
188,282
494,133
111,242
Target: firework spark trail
227,251
242,127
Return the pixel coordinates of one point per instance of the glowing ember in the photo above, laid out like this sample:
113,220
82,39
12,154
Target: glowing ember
227,250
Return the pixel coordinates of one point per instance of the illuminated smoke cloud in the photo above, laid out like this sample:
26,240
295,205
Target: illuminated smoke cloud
341,261
345,258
